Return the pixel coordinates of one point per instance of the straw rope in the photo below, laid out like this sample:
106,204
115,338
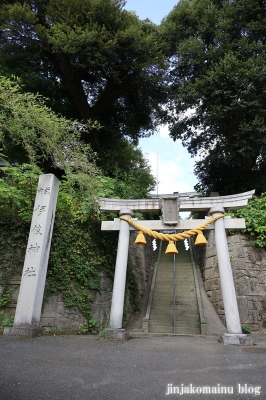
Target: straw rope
173,236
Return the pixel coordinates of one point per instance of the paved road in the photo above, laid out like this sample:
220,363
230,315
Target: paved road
84,368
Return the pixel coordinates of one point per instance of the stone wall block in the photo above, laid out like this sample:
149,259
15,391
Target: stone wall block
54,313
212,284
238,251
238,263
212,273
261,275
106,284
243,309
250,255
216,296
247,286
245,240
211,262
211,252
220,308
253,317
249,271
252,302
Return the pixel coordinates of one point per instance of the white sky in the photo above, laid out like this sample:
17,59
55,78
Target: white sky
175,165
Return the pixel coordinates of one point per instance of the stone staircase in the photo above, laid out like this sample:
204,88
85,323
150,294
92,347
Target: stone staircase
187,320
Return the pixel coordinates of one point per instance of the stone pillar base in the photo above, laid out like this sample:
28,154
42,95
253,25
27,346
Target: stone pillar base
239,339
118,334
28,332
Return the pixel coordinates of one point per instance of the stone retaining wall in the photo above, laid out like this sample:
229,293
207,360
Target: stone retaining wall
55,314
249,271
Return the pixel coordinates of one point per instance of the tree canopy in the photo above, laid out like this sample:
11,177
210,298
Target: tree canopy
92,59
217,51
34,138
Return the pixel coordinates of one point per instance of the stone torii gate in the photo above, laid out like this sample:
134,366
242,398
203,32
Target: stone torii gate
215,206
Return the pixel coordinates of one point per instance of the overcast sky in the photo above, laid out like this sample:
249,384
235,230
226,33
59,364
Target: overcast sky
175,166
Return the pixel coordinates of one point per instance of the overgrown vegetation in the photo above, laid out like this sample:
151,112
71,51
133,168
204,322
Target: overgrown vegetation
255,217
246,329
5,321
79,249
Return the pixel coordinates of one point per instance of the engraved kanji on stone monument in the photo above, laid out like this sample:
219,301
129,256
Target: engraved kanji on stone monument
28,311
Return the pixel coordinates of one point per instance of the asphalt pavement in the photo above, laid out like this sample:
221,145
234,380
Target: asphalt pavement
149,367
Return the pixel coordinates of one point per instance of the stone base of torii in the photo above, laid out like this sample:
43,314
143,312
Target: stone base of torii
215,206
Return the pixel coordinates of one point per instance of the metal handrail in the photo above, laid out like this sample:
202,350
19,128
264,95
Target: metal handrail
147,316
174,290
194,262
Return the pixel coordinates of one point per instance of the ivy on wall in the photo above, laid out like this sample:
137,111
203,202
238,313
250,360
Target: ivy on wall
255,217
79,250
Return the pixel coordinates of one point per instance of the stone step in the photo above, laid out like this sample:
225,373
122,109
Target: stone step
161,329
187,331
166,280
180,319
170,269
170,274
169,317
179,297
179,294
178,284
181,310
180,314
170,323
179,289
170,330
178,262
195,318
158,322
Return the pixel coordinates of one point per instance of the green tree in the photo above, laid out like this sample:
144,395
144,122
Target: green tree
34,140
32,133
93,59
217,51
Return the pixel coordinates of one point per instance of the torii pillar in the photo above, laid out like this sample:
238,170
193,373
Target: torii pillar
215,205
117,307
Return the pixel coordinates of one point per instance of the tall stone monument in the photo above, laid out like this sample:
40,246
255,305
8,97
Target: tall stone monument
28,311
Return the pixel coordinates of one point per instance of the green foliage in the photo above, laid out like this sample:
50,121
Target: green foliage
79,251
30,132
5,321
246,329
91,327
6,297
93,60
255,217
217,53
129,170
59,331
17,191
